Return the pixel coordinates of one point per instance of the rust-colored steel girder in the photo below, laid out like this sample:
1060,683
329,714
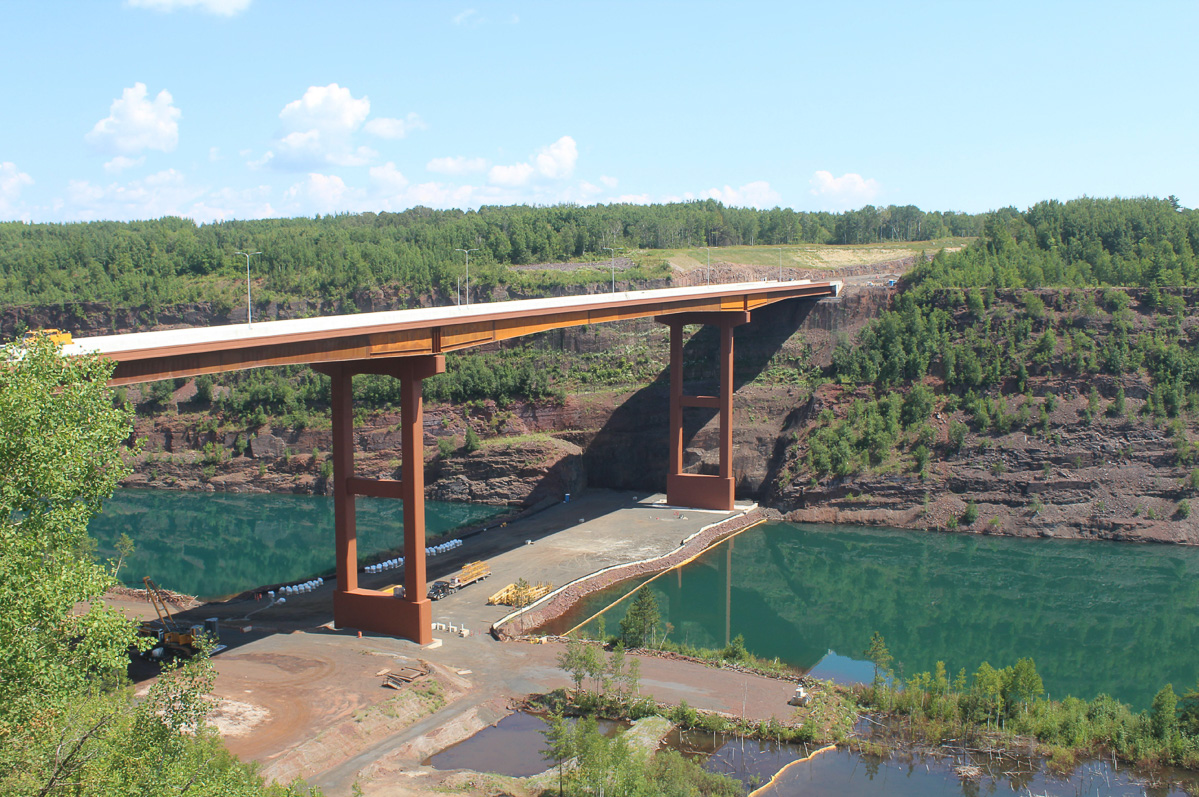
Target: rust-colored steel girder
164,354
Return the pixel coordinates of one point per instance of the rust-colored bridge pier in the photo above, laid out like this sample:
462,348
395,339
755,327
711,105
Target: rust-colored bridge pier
410,345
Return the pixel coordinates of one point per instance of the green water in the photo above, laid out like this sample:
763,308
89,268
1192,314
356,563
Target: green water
1095,616
218,544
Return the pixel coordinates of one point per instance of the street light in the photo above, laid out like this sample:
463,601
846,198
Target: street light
709,249
249,312
467,253
613,251
780,265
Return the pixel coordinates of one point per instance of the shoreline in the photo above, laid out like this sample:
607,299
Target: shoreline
566,597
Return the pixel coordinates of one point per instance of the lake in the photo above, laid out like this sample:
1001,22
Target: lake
1096,617
213,545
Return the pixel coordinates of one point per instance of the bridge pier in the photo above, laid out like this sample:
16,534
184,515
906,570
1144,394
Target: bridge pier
703,491
364,609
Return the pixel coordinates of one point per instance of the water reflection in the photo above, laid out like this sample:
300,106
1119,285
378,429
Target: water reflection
843,773
1096,616
217,544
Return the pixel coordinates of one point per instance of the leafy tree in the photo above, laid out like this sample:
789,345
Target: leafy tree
1163,713
1023,684
610,766
1188,712
472,443
878,654
573,660
917,405
642,621
68,725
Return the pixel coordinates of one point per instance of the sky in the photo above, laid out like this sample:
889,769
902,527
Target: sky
237,109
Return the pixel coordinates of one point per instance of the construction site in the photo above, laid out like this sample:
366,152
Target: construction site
337,707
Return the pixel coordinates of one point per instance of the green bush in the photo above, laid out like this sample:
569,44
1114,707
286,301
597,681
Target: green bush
971,513
472,442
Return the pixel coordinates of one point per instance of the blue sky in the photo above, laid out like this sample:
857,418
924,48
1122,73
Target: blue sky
219,109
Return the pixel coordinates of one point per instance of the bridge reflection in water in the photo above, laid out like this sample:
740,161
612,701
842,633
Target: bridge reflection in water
1096,617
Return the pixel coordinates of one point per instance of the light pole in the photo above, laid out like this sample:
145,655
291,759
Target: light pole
467,253
780,265
614,251
249,311
709,249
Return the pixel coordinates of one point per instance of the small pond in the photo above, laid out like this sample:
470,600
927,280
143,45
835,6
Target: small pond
510,747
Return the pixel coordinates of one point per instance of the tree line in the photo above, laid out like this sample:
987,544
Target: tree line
156,262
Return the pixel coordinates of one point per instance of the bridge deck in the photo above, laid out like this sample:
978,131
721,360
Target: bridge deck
146,356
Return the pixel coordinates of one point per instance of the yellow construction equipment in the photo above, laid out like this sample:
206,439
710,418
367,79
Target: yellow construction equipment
52,335
172,637
515,595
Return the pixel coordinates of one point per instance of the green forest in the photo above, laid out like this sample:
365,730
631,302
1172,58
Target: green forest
170,260
1076,289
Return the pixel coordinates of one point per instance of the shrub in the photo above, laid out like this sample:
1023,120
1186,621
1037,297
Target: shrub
445,448
957,435
1184,509
920,455
971,513
472,443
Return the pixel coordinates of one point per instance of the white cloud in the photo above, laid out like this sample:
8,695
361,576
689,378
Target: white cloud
469,15
389,178
319,129
120,163
214,154
557,161
757,194
135,123
164,193
456,165
266,158
516,174
12,182
395,128
633,199
224,8
359,157
847,191
610,182
331,109
325,193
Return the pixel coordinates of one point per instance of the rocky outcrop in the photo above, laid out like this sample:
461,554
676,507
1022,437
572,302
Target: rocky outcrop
513,474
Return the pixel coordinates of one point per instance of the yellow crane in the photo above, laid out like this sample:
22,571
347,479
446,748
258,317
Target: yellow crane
174,638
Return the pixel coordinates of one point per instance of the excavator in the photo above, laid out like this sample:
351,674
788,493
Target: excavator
173,639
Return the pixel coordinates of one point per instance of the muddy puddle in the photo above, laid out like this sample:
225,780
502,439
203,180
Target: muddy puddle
510,747
514,747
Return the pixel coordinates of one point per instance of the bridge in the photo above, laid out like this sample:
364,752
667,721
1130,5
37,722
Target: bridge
410,345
